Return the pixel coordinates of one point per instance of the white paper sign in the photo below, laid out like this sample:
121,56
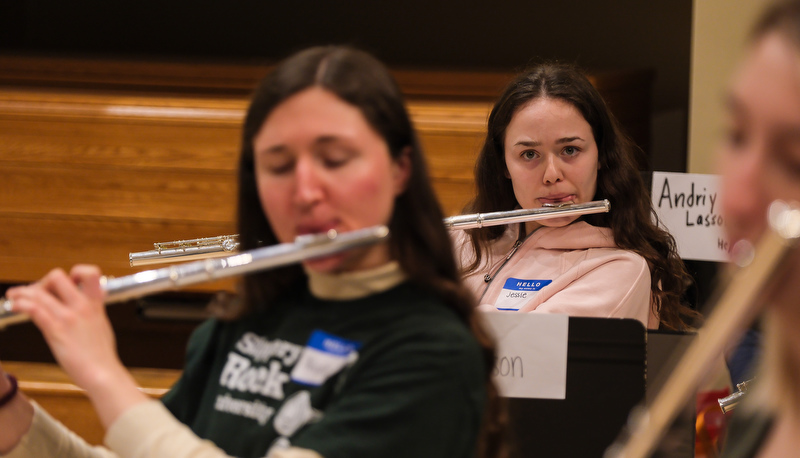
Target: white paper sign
531,354
687,205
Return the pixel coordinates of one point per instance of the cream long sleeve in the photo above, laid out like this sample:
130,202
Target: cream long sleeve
147,430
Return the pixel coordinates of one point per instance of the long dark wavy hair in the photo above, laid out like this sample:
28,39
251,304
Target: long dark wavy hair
419,241
618,180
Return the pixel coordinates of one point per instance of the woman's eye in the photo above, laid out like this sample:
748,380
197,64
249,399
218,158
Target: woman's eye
335,156
529,154
734,132
734,137
277,167
333,162
791,166
280,170
571,151
786,155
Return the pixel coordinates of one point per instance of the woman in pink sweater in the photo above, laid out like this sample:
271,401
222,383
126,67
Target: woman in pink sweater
552,140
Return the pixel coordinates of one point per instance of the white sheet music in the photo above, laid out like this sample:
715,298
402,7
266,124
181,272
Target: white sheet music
531,354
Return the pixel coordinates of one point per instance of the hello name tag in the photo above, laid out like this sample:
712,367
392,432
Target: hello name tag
323,356
517,292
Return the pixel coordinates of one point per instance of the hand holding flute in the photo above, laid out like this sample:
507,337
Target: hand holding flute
69,310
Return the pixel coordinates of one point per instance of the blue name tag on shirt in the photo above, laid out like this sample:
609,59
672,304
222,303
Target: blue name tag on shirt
518,284
331,344
323,356
518,291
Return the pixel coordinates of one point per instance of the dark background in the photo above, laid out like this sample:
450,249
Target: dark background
503,35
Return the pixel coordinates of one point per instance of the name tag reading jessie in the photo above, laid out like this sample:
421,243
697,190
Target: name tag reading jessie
531,359
518,292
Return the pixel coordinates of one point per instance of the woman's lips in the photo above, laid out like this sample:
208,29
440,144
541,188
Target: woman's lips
557,199
305,229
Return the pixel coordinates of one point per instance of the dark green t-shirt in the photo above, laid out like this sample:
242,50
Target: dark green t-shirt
395,374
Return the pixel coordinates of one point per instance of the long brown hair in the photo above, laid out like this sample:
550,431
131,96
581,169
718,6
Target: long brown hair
419,241
618,180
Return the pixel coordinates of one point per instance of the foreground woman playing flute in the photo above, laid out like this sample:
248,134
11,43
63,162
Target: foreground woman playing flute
375,351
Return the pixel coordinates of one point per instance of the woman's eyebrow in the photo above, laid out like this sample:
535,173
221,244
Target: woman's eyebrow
325,139
274,149
533,144
568,140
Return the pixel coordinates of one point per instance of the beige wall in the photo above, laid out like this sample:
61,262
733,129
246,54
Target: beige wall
719,31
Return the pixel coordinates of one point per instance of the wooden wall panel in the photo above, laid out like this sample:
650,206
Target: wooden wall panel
117,192
451,133
93,142
90,177
31,245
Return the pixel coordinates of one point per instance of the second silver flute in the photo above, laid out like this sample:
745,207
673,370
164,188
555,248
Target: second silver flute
270,257
224,245
477,220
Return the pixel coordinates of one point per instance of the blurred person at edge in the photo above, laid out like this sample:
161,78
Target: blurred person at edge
759,161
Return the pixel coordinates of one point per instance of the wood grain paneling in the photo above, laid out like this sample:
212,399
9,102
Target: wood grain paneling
31,245
119,192
228,78
91,176
49,386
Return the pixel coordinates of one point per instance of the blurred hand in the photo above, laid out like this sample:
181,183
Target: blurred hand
70,312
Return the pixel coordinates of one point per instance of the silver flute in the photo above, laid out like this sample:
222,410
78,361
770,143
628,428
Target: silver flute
223,245
151,281
478,220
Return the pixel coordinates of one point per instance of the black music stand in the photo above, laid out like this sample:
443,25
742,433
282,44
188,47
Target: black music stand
605,379
607,373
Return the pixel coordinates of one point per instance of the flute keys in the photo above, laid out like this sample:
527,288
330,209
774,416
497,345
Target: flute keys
557,205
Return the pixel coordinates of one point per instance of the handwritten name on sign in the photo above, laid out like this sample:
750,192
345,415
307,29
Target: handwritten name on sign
687,205
531,359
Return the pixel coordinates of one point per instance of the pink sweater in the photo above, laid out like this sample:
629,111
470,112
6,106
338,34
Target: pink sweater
575,270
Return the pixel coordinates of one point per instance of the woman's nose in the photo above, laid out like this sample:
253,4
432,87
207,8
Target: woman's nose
743,197
552,171
309,185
